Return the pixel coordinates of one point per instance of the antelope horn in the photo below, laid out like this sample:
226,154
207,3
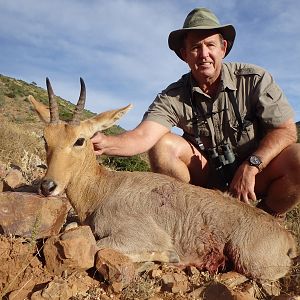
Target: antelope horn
80,104
54,116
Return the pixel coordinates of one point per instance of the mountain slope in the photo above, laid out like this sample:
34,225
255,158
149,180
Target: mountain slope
21,128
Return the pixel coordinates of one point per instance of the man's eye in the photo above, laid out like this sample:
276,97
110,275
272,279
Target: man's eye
79,142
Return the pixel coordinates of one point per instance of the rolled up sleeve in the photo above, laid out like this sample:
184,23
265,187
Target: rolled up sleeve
273,107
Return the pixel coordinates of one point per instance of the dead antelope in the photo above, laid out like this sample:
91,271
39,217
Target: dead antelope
150,216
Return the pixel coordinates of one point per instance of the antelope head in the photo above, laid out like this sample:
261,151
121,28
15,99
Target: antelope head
68,147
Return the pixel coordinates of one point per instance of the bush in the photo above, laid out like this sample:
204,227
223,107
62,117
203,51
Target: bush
134,163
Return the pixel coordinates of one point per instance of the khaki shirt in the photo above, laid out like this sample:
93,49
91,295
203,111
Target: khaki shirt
260,101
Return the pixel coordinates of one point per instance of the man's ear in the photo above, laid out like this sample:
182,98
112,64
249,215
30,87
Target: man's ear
183,53
224,47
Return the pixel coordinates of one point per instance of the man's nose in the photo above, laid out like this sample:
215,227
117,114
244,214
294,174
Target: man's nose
203,51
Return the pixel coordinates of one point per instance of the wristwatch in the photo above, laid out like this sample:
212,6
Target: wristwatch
255,161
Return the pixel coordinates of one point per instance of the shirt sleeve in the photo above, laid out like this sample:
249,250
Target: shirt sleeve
273,107
161,111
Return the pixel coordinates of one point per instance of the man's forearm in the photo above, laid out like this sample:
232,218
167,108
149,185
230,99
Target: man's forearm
124,144
275,141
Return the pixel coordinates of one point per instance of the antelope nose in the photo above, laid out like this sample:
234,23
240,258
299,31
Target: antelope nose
47,187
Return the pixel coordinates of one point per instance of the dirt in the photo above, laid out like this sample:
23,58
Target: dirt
20,265
23,276
23,271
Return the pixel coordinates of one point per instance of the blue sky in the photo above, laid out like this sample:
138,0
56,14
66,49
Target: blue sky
120,47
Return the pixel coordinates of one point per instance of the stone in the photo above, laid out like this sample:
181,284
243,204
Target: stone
72,250
271,288
217,291
3,171
242,296
71,226
65,288
231,279
155,273
14,178
115,267
174,283
31,215
286,297
19,294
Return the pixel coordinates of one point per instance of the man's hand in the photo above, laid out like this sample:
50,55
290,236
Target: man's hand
243,182
98,142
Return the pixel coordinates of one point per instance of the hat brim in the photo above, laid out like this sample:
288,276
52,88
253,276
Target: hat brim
176,37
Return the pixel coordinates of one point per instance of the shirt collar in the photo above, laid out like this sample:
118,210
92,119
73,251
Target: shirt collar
226,82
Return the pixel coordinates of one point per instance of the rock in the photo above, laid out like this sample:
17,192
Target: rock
3,171
115,267
174,283
248,288
19,294
64,289
231,279
217,291
242,296
72,250
31,215
286,297
4,187
71,226
271,288
14,178
155,273
196,293
220,291
192,271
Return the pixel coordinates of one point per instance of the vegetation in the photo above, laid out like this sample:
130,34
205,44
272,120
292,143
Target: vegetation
21,129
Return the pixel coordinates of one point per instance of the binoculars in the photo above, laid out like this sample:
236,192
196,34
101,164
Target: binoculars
224,163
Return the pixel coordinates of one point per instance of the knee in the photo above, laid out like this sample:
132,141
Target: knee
292,157
164,147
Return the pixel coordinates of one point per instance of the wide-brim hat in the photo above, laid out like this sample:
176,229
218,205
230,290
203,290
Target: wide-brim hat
201,19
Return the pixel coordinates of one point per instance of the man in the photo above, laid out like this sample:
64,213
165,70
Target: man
239,132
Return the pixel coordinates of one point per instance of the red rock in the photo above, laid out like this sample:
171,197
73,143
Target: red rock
115,267
72,250
31,215
174,283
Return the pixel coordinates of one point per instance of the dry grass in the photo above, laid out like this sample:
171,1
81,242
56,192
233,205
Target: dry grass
14,140
20,147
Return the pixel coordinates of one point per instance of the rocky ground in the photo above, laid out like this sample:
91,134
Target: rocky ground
44,255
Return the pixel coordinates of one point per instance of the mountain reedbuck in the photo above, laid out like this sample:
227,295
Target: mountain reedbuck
150,216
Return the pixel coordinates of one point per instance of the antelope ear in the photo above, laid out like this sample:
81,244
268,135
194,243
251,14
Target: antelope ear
103,120
41,109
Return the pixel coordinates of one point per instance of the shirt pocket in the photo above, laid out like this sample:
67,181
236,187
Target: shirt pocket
200,124
242,136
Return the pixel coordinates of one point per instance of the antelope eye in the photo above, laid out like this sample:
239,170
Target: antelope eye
79,142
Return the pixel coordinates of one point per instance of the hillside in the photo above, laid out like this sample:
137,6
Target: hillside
21,125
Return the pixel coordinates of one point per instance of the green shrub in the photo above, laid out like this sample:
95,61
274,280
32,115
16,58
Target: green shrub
133,163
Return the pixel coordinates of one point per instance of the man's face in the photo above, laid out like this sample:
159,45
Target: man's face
204,52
